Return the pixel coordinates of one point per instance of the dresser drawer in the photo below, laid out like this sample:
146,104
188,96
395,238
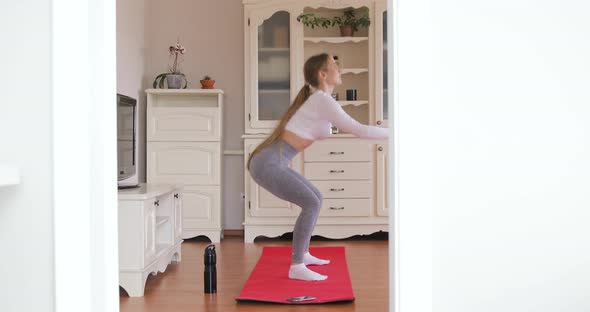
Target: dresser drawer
346,207
337,150
337,170
183,118
201,206
184,162
344,189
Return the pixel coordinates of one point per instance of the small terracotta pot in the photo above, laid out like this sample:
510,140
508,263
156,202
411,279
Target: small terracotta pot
207,84
346,31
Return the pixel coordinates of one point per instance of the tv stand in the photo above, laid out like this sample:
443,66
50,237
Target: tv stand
124,187
150,230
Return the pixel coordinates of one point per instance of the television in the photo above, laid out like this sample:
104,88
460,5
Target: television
127,141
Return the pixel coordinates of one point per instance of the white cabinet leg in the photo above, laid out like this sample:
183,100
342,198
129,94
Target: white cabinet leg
249,236
133,283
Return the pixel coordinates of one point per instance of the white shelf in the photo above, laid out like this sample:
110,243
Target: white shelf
184,91
145,191
9,175
354,103
161,248
335,39
161,220
274,90
354,70
273,50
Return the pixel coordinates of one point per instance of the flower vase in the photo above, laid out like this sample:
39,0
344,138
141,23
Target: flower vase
346,31
207,84
175,81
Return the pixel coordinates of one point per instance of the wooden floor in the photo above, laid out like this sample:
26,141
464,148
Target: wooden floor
180,288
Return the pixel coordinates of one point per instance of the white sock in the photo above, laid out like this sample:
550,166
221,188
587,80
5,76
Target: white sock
301,272
308,259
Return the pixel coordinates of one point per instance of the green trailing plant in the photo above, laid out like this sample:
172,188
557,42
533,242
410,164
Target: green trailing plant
348,18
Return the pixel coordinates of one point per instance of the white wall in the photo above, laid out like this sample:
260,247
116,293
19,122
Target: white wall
145,30
131,61
494,144
212,33
26,210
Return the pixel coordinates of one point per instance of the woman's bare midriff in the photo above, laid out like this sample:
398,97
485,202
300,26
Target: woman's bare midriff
296,141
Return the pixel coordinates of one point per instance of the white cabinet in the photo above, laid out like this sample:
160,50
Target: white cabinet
150,219
184,135
261,203
351,173
277,46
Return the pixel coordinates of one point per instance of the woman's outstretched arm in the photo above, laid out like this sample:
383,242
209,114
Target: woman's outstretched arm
331,110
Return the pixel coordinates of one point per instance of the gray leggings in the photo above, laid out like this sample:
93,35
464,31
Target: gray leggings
270,169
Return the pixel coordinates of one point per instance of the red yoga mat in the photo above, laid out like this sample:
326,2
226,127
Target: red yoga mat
269,281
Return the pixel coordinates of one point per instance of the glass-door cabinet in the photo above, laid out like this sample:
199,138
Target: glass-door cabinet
381,61
277,45
269,67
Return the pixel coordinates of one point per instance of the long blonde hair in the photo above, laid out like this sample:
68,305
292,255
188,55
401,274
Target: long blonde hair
310,71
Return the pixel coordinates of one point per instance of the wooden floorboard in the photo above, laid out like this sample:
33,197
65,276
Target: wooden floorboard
180,288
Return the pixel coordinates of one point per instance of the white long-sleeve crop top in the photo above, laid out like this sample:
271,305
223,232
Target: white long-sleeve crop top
314,120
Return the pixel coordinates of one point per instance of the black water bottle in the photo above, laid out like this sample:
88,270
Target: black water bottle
210,270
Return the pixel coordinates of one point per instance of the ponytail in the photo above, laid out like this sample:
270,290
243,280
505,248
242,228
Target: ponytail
311,69
301,97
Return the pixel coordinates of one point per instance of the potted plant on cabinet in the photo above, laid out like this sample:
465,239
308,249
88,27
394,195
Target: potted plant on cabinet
207,82
348,22
174,79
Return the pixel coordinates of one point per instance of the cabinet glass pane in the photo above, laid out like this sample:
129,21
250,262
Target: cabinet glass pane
274,74
385,106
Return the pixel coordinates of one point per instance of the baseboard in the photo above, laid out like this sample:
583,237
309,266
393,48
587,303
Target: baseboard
233,233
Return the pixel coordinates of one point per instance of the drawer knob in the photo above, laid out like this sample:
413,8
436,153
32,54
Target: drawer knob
380,148
337,189
157,203
176,195
336,171
336,153
379,122
337,208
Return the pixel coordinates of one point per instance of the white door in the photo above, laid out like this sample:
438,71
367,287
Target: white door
178,198
261,203
149,233
382,180
200,208
269,84
381,60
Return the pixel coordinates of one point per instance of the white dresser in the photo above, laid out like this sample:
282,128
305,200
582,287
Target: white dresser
184,135
150,229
